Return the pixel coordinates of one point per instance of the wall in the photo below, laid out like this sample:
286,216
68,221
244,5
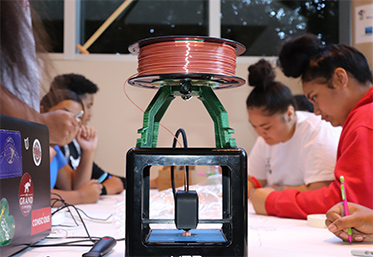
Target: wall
367,47
117,120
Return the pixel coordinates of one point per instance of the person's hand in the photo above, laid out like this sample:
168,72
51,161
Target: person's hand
87,138
258,198
360,219
62,125
90,191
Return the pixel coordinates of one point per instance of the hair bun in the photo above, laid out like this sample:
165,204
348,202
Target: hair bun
261,74
296,54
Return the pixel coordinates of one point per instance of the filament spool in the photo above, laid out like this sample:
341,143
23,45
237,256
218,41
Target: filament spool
202,61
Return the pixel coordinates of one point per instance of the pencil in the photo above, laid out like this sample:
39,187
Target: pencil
344,199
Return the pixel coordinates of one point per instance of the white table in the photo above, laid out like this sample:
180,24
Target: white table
272,236
106,206
267,236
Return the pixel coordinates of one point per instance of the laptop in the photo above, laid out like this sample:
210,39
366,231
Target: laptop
25,199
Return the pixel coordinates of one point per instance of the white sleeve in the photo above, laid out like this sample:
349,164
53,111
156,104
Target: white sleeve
320,153
257,160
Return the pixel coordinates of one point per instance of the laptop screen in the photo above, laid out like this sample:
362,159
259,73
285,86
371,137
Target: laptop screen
25,215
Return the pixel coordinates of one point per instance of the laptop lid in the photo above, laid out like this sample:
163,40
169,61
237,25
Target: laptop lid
25,214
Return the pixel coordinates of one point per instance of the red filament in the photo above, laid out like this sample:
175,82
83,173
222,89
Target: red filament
187,56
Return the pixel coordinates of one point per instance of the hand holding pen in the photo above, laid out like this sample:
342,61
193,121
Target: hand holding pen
344,199
62,126
360,220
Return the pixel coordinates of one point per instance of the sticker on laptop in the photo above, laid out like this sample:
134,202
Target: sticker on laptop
7,223
36,152
26,194
40,220
27,143
10,154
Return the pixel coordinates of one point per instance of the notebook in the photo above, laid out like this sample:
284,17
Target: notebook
25,213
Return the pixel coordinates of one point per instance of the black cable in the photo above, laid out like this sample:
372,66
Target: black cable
72,243
60,245
89,238
81,237
63,206
66,205
92,218
85,214
185,142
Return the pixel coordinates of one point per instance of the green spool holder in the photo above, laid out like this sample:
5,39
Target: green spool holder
163,98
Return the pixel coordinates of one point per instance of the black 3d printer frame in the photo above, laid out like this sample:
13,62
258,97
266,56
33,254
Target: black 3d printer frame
234,204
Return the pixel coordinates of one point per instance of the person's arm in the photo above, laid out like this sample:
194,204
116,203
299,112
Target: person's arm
64,178
256,165
360,219
251,184
113,185
87,139
258,198
60,123
88,193
10,105
304,187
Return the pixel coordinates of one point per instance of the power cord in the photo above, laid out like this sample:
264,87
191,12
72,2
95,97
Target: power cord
75,243
185,143
66,205
186,202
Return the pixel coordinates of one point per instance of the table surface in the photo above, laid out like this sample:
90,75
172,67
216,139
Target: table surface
267,236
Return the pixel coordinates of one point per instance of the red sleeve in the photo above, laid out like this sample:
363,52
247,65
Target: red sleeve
295,204
354,162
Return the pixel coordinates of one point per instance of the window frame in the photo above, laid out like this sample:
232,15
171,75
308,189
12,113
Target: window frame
71,33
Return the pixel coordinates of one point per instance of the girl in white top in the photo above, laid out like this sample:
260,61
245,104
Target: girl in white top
295,149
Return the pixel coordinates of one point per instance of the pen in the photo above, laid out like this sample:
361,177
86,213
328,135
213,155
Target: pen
344,199
79,114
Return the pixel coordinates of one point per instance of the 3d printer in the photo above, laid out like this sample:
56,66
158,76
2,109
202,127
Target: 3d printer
186,66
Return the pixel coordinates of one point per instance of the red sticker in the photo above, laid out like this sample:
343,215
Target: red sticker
26,194
40,220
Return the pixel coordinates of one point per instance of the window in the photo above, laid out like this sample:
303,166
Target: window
260,25
142,19
51,12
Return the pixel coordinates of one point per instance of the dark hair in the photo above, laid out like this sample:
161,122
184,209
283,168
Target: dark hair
54,97
302,103
15,36
74,82
269,94
306,57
